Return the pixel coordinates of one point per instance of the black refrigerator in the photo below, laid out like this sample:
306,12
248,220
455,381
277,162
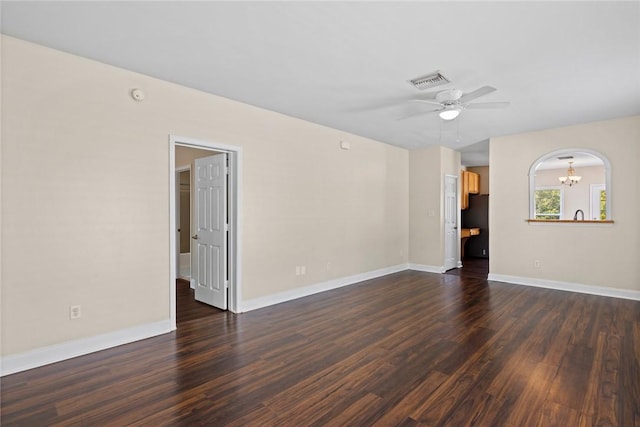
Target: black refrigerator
477,216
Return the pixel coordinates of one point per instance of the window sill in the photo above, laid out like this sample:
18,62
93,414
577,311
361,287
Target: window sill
571,221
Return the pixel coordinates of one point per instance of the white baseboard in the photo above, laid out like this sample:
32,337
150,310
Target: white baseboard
256,303
427,268
567,286
55,353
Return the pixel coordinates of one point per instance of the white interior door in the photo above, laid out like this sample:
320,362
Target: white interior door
451,239
210,238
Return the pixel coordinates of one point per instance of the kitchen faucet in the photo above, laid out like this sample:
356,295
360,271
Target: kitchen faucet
575,217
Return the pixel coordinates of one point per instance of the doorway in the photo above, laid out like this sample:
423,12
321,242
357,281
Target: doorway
233,210
183,221
475,233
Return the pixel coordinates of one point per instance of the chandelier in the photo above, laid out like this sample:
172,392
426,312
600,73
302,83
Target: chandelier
571,178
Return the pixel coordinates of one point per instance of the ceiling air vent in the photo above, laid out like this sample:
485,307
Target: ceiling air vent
428,81
565,157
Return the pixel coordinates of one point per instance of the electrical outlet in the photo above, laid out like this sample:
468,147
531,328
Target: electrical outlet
75,312
303,270
536,263
298,270
484,252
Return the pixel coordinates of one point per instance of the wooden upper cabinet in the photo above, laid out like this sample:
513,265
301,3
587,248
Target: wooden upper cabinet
474,183
470,185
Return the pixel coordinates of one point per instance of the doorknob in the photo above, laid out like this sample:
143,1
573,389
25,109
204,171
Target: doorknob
194,237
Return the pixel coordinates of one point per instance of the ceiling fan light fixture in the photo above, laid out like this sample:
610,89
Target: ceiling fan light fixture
450,113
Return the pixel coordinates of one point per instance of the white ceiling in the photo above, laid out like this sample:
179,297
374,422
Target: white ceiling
346,64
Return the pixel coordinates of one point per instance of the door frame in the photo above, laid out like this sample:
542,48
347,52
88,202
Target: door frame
456,246
234,218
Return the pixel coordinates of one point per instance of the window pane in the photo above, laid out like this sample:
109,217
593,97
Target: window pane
548,204
603,204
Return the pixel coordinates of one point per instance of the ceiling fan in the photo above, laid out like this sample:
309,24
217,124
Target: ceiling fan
451,102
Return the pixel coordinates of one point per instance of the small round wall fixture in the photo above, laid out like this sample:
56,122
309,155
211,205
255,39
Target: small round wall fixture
137,95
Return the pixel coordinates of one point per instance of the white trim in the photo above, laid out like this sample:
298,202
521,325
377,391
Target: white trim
457,248
235,216
256,303
567,286
173,245
560,188
427,268
55,353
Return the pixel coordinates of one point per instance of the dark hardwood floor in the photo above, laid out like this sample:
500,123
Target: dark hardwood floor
187,308
477,268
407,349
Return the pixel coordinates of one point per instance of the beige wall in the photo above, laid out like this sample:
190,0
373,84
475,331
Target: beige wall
85,198
428,168
594,255
89,241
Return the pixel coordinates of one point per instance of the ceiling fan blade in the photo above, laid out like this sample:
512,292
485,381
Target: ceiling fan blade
419,113
484,90
425,101
481,105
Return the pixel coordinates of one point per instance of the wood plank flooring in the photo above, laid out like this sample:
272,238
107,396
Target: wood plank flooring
408,349
476,268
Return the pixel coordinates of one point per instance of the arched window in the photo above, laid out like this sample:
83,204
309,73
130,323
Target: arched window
570,184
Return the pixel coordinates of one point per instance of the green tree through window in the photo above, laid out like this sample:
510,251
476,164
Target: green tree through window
548,203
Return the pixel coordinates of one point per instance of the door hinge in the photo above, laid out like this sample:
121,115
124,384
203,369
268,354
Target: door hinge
226,284
226,227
